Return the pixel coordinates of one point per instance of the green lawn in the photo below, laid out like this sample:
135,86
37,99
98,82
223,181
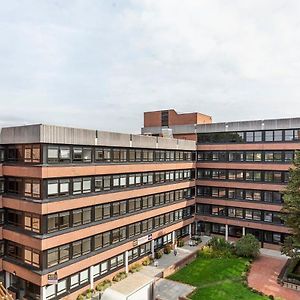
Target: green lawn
216,279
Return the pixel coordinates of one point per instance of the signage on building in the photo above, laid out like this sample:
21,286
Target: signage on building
52,278
142,240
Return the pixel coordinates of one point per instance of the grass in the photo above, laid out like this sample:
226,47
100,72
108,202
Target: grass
216,279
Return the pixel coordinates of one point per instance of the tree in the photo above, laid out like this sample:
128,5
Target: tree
291,210
247,246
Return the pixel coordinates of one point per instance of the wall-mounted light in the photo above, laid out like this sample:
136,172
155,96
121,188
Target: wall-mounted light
14,273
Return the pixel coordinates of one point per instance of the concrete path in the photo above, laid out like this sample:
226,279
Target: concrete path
263,276
170,290
273,253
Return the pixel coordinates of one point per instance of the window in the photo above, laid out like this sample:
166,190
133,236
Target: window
98,212
77,154
87,154
288,156
64,187
52,257
32,257
32,153
98,241
50,291
106,183
98,184
106,239
87,215
87,183
32,222
61,287
32,188
99,155
52,154
77,186
269,136
267,216
57,188
77,217
249,137
258,136
278,135
86,246
64,154
106,211
64,253
103,267
74,282
76,246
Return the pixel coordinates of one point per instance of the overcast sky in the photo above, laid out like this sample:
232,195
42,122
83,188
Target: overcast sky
102,63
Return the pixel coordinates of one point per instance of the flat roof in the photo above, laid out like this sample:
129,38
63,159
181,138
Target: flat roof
52,134
131,284
269,124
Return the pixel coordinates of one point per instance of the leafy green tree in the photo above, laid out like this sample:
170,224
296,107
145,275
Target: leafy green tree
291,210
247,246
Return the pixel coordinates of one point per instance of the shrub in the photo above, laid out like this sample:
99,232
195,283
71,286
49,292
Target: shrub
247,246
80,297
220,244
158,254
103,285
118,277
147,261
206,251
167,249
180,243
135,268
209,252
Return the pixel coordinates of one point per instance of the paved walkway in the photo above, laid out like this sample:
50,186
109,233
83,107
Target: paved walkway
169,259
264,273
170,290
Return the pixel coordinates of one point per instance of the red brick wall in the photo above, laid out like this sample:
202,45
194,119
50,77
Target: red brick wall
153,118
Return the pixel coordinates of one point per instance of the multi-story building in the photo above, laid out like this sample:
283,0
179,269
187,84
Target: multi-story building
79,205
242,169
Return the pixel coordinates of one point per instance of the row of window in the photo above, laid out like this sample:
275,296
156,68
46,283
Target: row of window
26,254
240,194
77,217
31,188
28,221
101,269
236,231
244,175
239,213
84,185
97,242
247,156
75,154
32,153
287,135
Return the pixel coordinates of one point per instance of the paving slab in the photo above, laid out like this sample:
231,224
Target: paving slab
263,277
170,290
